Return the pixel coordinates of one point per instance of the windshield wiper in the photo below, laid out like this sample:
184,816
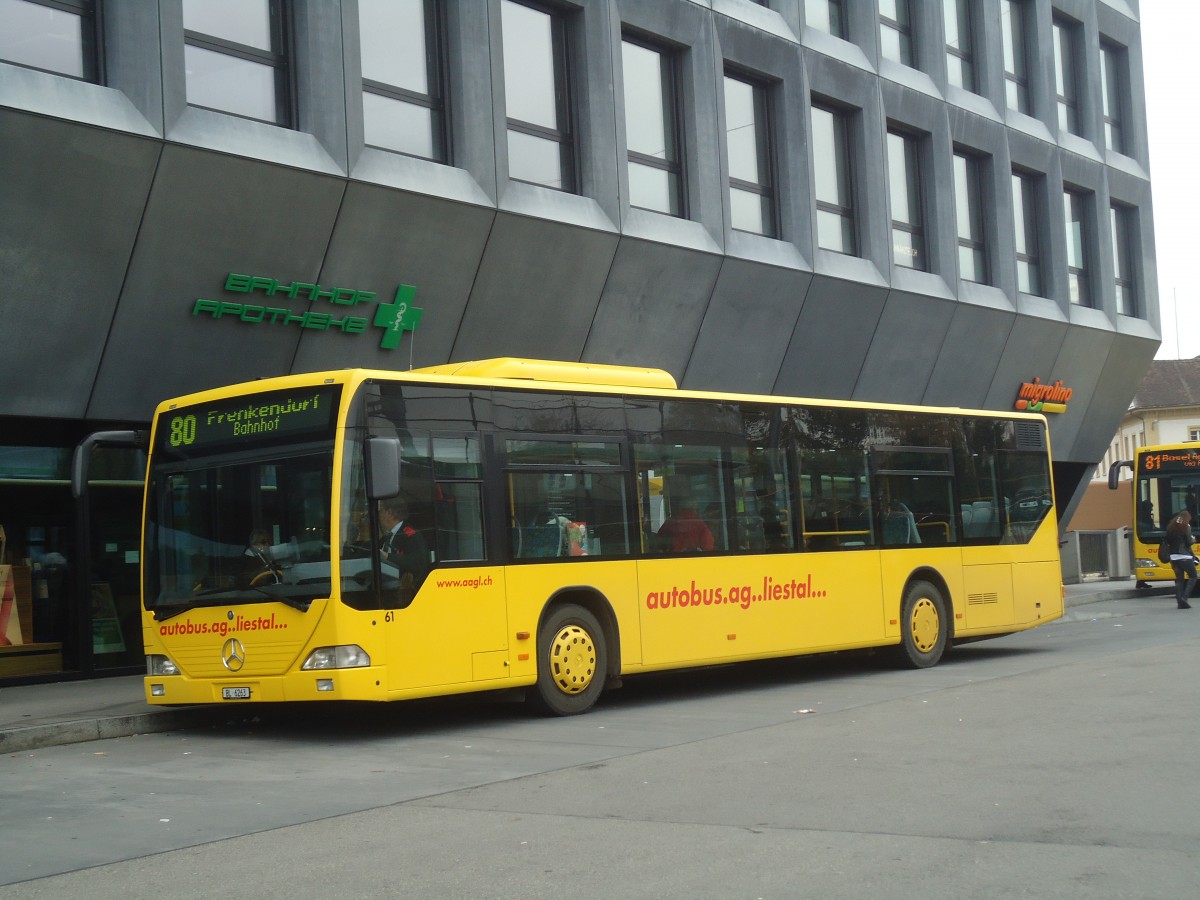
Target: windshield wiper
300,603
210,597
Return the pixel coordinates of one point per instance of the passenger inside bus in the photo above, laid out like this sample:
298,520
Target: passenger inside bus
685,530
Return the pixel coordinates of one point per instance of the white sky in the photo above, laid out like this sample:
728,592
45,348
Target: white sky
1170,44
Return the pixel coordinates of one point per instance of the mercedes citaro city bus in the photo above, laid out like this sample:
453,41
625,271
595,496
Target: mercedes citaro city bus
1166,480
510,523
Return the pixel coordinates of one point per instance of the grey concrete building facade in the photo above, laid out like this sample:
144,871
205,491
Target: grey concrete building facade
943,201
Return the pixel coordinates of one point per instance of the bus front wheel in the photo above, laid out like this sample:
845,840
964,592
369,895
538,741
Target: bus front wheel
572,662
924,625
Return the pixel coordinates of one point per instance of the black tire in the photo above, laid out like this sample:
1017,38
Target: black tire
924,625
572,662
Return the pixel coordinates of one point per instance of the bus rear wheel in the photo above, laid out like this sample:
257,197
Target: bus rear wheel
572,662
924,625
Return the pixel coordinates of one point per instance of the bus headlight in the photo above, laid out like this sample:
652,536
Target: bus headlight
160,665
343,656
1145,563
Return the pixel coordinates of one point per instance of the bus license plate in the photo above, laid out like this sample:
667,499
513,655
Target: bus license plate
238,693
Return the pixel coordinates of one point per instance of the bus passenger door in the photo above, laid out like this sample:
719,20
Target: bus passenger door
454,630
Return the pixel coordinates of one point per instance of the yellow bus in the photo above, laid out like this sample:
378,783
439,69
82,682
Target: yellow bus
511,523
1166,480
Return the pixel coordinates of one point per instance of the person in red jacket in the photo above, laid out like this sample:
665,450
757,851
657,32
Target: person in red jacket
402,546
686,530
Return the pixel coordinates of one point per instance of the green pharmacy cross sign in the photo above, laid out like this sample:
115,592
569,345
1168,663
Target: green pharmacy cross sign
394,318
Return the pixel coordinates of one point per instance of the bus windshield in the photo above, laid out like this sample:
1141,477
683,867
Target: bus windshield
239,504
1167,482
240,531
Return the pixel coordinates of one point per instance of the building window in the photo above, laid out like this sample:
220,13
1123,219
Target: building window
1193,433
1075,212
904,188
1122,221
541,149
960,47
895,32
826,15
968,205
58,37
1016,66
832,168
235,58
1114,75
1025,226
1065,76
402,77
651,129
748,141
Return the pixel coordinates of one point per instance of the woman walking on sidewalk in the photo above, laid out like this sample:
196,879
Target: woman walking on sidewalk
1180,540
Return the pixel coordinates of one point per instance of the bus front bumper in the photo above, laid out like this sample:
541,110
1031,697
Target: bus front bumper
327,684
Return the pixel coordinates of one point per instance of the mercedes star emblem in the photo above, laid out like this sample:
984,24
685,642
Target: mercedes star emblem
233,655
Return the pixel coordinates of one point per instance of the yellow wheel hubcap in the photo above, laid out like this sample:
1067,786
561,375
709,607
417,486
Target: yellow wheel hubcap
573,659
925,625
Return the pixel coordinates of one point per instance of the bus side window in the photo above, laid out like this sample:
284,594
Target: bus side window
458,497
763,485
682,498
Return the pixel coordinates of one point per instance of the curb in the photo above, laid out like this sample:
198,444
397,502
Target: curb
36,737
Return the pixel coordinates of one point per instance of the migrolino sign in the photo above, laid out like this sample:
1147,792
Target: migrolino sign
394,318
1044,398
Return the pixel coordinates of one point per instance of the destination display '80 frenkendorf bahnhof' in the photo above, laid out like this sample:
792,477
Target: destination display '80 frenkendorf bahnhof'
940,203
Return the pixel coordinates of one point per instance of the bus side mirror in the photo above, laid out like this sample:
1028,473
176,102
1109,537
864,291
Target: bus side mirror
383,468
1114,472
82,457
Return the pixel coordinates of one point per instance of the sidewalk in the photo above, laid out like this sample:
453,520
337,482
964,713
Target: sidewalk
46,715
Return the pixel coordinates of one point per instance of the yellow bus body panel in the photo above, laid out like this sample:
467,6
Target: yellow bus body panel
701,610
275,640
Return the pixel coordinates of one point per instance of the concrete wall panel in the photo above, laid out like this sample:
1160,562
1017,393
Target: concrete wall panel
747,328
904,348
536,290
836,325
1108,398
383,239
1080,361
652,306
1032,351
70,219
968,357
209,215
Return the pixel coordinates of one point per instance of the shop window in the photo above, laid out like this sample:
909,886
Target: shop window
837,229
651,128
905,186
402,77
895,32
748,145
56,36
1026,201
1013,28
236,58
1114,85
826,15
969,217
541,145
960,49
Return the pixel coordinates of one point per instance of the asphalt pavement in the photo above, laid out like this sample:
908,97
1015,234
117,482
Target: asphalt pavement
67,712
